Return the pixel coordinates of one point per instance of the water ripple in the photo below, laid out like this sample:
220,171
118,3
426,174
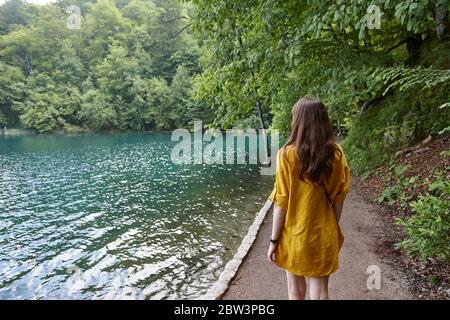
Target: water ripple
110,217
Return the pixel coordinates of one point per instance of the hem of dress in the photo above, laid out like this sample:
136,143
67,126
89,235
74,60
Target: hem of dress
308,274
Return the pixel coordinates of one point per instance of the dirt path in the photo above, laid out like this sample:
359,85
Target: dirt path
258,279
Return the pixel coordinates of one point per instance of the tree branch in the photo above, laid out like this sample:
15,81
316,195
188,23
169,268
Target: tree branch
397,45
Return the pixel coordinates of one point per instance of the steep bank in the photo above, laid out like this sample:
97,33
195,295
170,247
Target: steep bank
419,163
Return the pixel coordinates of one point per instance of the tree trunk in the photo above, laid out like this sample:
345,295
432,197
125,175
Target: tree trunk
266,160
260,113
442,19
28,64
413,44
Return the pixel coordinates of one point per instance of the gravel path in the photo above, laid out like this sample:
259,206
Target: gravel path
258,279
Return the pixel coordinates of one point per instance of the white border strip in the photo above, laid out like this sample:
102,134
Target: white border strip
231,268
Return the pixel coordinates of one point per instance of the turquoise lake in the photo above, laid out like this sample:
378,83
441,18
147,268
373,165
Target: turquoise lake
109,216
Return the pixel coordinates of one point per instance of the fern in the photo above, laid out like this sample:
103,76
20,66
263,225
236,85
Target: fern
405,79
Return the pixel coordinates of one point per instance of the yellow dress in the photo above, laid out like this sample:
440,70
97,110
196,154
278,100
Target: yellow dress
310,238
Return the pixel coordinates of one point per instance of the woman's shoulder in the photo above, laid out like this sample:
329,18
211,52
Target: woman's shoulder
339,151
340,159
287,154
290,149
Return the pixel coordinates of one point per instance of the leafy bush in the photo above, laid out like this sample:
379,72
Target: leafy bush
428,229
400,187
400,120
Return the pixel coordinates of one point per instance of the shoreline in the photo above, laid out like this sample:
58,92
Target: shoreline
247,131
16,132
219,288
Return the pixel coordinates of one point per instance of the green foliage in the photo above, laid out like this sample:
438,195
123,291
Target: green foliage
420,78
157,93
130,66
49,106
12,89
398,121
12,14
269,53
400,188
183,110
428,229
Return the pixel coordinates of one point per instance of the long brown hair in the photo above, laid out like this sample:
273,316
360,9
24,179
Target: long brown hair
312,137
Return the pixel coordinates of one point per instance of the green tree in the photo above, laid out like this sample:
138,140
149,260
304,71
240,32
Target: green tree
103,25
12,14
116,72
49,106
12,89
266,54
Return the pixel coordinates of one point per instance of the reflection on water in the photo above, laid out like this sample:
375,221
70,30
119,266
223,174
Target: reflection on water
109,217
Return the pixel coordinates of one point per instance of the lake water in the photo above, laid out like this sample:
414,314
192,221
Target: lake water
111,217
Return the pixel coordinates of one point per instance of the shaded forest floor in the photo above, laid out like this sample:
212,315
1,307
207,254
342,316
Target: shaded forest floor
429,279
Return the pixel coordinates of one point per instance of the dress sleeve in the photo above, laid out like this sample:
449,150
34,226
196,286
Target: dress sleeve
344,179
280,193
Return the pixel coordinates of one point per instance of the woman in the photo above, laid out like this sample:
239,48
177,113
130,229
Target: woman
312,181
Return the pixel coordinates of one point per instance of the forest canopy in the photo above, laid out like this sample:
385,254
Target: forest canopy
386,83
129,66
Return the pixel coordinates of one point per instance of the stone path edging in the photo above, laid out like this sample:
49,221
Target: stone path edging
231,268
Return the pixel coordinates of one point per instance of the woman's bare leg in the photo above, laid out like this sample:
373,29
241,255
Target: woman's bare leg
318,288
296,286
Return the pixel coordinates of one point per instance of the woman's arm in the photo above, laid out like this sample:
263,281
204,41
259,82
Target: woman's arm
343,185
280,197
278,221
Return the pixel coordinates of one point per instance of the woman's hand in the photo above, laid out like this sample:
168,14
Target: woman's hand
271,253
